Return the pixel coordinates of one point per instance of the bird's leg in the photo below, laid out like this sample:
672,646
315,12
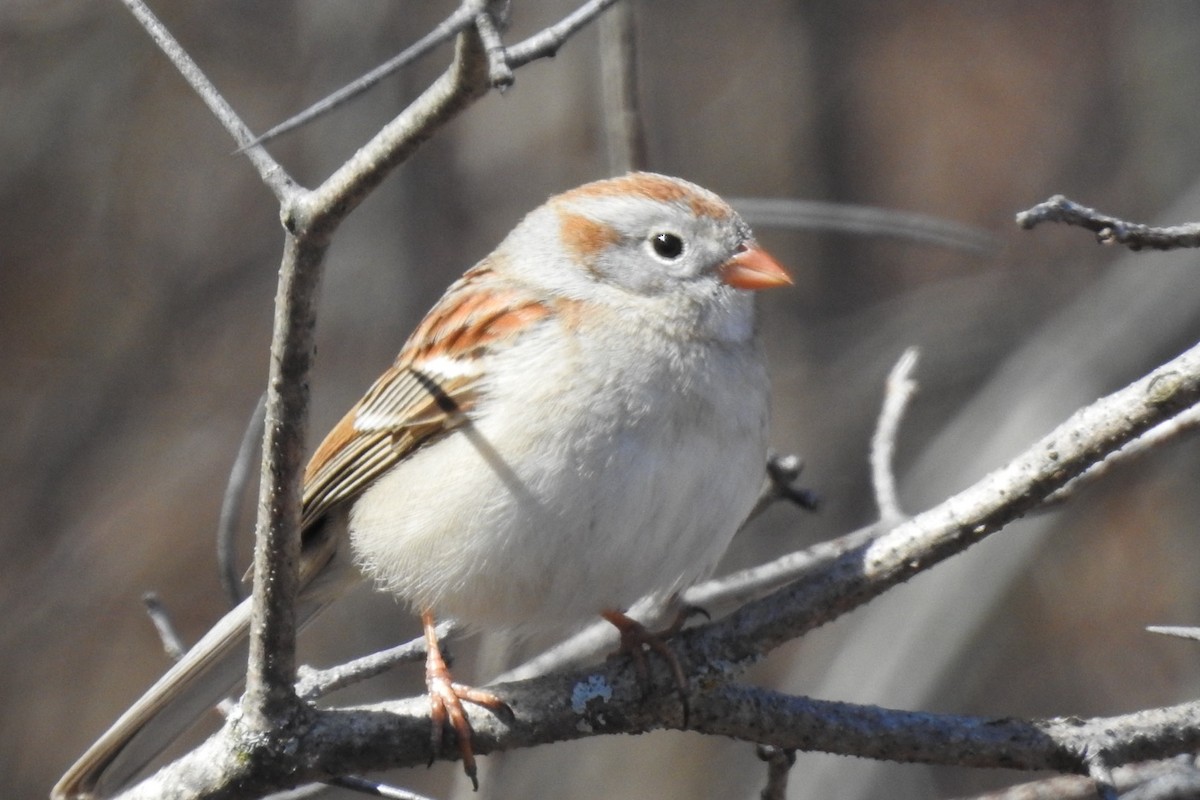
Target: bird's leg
445,701
636,638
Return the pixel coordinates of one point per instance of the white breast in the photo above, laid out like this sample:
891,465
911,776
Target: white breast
590,476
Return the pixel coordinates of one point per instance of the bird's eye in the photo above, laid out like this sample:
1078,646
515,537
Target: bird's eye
667,245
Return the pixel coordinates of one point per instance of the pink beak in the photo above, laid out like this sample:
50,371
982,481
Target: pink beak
753,269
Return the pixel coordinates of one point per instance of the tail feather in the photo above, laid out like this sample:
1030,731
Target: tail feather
207,674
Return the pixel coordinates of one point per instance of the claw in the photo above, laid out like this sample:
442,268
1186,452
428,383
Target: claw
446,703
636,639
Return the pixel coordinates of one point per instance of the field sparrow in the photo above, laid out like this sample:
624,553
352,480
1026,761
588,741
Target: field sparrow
580,421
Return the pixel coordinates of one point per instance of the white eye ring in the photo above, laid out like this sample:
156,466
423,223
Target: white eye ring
666,246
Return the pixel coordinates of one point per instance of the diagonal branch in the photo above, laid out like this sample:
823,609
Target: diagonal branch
462,17
272,174
318,213
861,574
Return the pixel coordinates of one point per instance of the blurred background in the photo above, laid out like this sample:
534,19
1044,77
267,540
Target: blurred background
138,264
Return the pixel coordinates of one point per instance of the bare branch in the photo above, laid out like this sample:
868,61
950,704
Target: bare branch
609,700
171,642
374,788
270,694
315,684
794,214
901,552
897,394
500,74
1171,630
545,43
1110,230
272,174
779,766
231,504
319,212
1182,424
462,17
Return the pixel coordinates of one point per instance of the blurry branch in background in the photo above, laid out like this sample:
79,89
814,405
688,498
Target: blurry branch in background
789,213
231,504
1110,230
624,132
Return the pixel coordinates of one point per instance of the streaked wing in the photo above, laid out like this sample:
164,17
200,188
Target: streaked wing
404,409
433,384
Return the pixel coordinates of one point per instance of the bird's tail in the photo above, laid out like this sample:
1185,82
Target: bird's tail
207,674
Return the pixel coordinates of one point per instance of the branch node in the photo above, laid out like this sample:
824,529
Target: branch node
171,641
489,23
1110,230
779,765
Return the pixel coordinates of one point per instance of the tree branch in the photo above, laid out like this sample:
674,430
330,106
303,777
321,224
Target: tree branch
272,174
462,17
898,392
1110,230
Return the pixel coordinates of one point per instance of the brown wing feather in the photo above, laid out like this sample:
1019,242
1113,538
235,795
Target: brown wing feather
418,398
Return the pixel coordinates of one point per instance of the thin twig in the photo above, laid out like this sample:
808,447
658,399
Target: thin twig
272,174
898,391
1110,230
231,504
171,642
316,683
1174,630
716,596
546,43
462,17
783,471
863,221
779,767
318,213
624,135
374,788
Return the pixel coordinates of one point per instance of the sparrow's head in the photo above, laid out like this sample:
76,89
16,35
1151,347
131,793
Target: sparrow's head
642,234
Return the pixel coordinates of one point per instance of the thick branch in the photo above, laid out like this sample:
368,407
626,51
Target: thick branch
270,697
609,700
864,573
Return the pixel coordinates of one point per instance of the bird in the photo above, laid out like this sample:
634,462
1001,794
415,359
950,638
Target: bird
580,421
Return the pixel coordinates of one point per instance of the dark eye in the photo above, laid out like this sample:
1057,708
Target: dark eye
667,245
